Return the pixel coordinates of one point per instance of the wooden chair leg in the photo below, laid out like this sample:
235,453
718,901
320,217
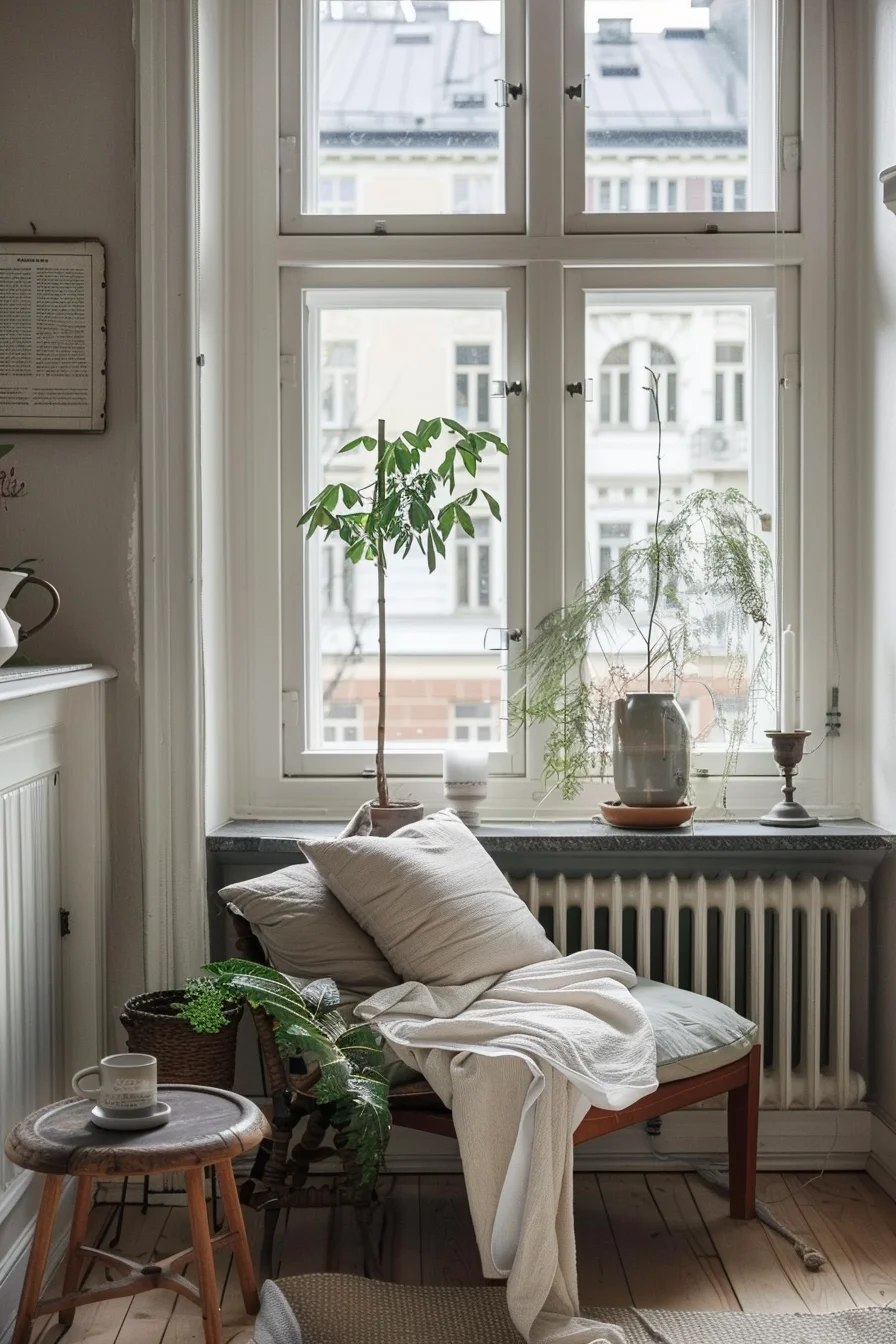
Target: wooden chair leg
242,1257
743,1139
37,1261
77,1237
204,1256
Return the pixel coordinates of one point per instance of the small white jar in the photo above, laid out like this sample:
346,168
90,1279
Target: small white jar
465,775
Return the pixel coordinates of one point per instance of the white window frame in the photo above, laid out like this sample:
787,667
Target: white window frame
766,144
298,104
416,289
254,256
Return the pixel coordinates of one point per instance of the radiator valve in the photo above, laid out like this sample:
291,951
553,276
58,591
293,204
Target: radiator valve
654,1127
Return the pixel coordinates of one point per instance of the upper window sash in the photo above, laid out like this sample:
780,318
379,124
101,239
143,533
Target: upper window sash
753,153
469,179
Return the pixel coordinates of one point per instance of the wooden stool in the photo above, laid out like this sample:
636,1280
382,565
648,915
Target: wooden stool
208,1127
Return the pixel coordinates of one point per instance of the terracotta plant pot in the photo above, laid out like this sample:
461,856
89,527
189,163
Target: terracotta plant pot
388,819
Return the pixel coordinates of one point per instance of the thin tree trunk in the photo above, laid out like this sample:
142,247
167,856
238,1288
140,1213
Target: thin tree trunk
382,783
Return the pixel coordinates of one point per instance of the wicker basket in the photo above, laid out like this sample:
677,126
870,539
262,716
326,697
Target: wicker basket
184,1055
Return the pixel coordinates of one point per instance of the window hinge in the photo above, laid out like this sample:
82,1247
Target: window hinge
65,923
290,709
502,389
834,717
790,153
791,376
581,389
507,93
504,640
289,153
288,370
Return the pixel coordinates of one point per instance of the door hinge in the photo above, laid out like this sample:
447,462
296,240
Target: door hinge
65,923
790,153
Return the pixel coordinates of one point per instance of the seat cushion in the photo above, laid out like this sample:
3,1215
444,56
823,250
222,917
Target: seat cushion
436,904
694,1033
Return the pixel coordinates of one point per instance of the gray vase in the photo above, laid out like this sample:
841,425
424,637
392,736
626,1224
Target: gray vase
651,750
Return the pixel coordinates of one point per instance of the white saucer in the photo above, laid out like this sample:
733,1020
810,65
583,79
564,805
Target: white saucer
160,1115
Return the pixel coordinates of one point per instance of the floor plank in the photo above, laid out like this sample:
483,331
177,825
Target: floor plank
753,1269
402,1256
149,1315
823,1291
660,1265
47,1328
680,1214
852,1233
306,1238
602,1281
447,1241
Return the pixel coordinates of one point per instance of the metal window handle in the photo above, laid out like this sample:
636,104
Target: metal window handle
580,389
502,389
505,638
507,93
578,91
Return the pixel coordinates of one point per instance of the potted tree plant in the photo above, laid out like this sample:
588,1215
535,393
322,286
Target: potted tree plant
406,504
704,564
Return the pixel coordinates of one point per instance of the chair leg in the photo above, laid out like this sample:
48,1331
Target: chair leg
242,1257
743,1139
77,1237
204,1256
37,1261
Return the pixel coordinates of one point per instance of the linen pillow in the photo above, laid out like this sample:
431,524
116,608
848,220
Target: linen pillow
436,904
306,932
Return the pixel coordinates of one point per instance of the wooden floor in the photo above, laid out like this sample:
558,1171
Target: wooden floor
653,1241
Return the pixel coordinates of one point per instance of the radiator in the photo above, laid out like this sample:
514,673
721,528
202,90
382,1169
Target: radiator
774,949
30,987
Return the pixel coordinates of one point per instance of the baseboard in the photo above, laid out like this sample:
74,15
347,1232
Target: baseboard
882,1158
14,1263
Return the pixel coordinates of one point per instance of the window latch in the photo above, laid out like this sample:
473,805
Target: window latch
578,92
505,638
582,389
507,93
502,389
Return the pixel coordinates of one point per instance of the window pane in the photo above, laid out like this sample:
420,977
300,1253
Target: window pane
410,362
624,193
405,87
671,89
710,440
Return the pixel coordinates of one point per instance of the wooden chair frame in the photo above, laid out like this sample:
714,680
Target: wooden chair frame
280,1173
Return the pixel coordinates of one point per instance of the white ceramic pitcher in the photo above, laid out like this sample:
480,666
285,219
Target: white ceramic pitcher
12,581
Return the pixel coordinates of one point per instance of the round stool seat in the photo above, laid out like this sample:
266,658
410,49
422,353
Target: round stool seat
207,1125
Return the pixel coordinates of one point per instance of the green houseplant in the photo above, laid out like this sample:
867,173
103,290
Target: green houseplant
346,1078
406,504
704,566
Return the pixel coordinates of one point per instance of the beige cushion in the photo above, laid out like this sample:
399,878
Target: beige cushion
436,904
694,1033
306,932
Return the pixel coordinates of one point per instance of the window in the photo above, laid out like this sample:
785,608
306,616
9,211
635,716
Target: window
411,304
405,97
474,566
615,381
337,195
729,383
472,385
475,722
473,195
342,723
612,541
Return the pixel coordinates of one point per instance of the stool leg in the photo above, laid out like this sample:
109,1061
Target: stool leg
77,1237
241,1255
37,1261
119,1217
204,1257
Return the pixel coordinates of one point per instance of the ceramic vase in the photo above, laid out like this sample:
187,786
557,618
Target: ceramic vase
651,750
386,820
465,777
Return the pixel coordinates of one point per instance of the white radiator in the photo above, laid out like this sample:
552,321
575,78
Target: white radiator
775,949
30,989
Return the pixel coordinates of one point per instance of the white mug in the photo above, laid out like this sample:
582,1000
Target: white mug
127,1084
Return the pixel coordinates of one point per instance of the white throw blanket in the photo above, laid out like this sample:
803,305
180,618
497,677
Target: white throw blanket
520,1059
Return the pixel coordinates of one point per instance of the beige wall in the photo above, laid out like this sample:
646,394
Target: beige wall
875,242
67,165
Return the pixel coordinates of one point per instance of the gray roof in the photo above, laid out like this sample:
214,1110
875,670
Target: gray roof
431,85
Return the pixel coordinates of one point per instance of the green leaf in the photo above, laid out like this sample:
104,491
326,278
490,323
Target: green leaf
493,505
469,459
306,517
465,520
447,518
430,551
413,439
347,447
419,515
350,496
432,429
330,497
404,459
453,424
357,550
439,543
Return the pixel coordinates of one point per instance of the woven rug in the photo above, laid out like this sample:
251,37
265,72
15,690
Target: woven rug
343,1309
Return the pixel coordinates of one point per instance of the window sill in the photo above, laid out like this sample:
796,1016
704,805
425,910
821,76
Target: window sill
853,848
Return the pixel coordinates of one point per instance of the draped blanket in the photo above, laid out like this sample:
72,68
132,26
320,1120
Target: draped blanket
520,1059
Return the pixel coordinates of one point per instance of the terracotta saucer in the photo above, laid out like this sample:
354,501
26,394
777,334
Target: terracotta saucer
646,818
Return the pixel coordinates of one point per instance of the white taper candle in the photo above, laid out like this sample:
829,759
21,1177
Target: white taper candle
788,682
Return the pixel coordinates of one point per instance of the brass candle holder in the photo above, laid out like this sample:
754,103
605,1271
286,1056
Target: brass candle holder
788,752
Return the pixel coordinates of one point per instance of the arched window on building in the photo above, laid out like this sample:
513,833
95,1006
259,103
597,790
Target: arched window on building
615,385
662,361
